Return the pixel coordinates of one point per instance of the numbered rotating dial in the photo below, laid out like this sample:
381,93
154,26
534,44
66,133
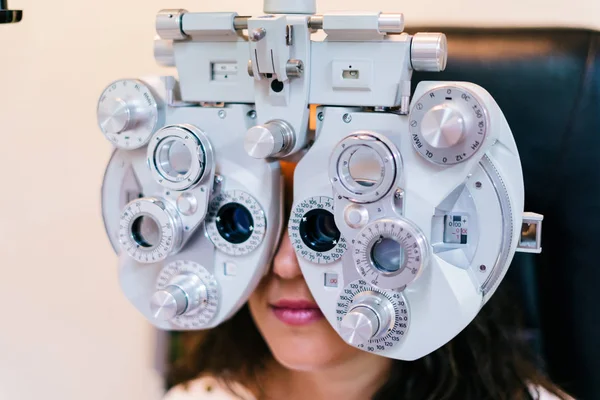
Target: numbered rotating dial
128,113
179,156
371,318
448,125
236,223
362,167
186,294
149,230
313,232
390,253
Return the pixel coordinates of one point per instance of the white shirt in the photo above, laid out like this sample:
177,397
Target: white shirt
208,388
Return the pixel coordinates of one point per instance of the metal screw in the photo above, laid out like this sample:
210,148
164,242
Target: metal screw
398,194
294,68
482,268
321,116
252,114
222,114
257,34
478,185
218,179
347,118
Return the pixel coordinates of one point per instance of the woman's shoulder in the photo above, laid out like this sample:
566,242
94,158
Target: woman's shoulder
208,388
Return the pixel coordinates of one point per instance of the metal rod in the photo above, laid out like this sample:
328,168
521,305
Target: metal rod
239,23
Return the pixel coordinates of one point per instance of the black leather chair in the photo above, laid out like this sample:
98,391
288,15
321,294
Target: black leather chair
547,83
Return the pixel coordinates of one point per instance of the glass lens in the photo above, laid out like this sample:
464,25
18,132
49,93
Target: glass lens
387,255
174,158
145,231
318,230
235,223
365,166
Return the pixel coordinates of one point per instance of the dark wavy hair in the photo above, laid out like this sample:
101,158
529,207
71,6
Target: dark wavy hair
489,359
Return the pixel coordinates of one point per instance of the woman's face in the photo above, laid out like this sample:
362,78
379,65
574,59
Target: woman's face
287,315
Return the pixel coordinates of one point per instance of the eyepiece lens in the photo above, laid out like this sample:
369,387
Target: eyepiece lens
387,255
174,158
318,230
145,231
235,223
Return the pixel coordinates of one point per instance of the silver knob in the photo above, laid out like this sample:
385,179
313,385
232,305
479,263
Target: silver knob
359,326
429,52
275,138
168,303
114,116
185,294
443,127
370,316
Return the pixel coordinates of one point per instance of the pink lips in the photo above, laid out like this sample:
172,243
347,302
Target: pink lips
296,312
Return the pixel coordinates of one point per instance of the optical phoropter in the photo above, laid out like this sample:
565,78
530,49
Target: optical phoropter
408,207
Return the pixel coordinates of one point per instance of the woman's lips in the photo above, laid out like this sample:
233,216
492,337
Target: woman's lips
296,312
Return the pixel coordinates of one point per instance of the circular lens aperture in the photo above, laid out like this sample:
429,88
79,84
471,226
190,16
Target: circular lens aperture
318,230
145,231
387,255
365,166
234,223
174,158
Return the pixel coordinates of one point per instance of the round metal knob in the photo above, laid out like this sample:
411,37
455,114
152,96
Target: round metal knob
443,127
168,303
114,116
359,325
274,138
429,52
185,294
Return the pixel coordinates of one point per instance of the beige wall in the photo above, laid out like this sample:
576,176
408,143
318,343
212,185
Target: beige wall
67,332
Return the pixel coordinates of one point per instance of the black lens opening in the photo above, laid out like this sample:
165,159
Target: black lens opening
235,223
318,230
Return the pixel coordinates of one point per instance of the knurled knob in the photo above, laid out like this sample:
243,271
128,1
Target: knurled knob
168,303
114,116
359,325
429,52
271,139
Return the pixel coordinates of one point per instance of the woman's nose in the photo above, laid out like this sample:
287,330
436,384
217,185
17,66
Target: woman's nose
285,263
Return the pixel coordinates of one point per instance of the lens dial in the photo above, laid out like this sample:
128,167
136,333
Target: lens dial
178,156
371,318
362,167
313,232
128,114
149,230
448,125
390,253
186,294
236,223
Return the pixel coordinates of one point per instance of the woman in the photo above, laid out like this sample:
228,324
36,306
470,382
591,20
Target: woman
280,346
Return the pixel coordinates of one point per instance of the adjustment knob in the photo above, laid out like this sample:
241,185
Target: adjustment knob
275,138
429,52
128,114
370,316
443,127
448,124
114,116
359,326
185,294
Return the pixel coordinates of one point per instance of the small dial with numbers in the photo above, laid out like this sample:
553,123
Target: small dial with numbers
371,318
448,125
313,232
186,294
390,253
128,113
236,222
